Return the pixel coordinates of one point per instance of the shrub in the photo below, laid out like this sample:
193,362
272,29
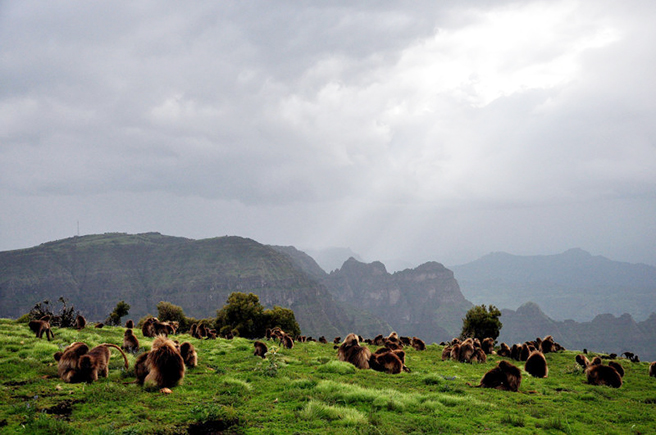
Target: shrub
121,310
167,312
64,319
246,317
481,322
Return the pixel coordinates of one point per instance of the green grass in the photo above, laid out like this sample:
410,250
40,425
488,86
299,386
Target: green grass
306,390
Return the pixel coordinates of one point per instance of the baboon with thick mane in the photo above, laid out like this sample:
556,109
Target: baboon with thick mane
466,351
189,354
536,365
162,328
618,367
652,369
488,345
130,341
41,326
129,324
547,344
287,341
80,322
387,362
582,360
67,361
599,374
479,356
418,343
163,366
351,351
260,349
504,376
147,329
504,350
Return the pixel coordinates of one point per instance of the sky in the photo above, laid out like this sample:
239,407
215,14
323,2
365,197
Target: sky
405,131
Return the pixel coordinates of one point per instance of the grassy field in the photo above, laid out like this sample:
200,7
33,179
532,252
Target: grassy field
306,390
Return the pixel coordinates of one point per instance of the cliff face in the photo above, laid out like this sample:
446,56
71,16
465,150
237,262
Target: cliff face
425,301
95,272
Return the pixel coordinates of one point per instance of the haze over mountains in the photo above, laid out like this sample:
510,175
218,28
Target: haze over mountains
537,294
572,285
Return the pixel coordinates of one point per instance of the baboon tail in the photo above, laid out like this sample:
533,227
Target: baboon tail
125,358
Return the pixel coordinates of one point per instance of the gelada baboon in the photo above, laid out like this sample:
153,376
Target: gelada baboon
652,369
504,350
536,365
96,363
67,361
130,341
446,353
466,351
260,349
287,341
99,325
147,329
617,366
352,352
418,343
162,328
479,356
323,340
488,345
599,374
129,324
337,340
80,322
547,344
41,326
189,354
79,364
582,360
163,366
455,352
504,376
387,362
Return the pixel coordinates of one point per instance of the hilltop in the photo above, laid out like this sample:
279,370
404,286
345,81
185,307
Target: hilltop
95,272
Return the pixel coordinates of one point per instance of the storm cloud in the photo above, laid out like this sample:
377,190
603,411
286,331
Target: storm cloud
406,131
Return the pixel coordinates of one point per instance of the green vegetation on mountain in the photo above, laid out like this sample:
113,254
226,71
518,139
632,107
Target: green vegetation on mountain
95,272
306,390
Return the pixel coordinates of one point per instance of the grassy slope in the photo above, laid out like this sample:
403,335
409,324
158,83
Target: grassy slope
311,392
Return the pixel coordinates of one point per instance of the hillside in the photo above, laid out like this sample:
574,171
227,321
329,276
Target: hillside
95,272
305,390
572,285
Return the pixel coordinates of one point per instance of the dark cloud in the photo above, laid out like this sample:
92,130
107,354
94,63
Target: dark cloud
415,133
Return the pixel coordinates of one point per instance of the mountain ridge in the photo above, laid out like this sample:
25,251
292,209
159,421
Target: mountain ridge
571,285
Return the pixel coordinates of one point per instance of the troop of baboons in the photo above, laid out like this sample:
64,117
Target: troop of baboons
165,364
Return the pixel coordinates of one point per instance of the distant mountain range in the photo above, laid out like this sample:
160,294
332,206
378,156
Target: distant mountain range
572,285
605,333
95,272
